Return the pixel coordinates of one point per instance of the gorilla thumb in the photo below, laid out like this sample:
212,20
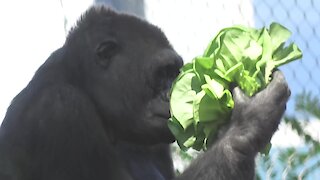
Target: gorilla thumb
238,96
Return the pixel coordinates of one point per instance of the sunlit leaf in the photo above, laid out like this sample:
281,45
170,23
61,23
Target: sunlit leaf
237,55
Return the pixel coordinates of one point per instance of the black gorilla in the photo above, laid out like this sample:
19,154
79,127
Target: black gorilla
97,109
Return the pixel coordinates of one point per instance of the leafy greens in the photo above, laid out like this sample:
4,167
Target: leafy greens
200,98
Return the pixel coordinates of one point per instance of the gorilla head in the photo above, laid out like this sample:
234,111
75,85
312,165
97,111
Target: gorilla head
127,67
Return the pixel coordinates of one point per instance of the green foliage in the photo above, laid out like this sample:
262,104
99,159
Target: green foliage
201,101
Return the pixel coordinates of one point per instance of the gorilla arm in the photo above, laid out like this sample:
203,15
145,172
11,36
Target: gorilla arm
253,122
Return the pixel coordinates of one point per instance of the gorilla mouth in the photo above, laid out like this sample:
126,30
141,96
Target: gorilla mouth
164,116
165,98
163,111
159,107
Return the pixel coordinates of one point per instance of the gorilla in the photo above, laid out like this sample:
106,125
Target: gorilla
97,109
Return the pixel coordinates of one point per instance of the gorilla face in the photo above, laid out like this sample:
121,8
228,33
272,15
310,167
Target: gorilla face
128,75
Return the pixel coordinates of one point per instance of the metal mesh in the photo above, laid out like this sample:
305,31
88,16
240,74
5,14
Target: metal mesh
302,17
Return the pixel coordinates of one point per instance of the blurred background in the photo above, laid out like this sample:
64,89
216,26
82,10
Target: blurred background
31,30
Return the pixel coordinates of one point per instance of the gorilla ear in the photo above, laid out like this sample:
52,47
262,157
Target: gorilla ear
105,51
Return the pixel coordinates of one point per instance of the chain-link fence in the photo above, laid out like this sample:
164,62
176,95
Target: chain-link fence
302,17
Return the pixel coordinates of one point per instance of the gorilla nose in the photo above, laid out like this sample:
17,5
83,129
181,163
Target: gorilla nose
178,61
171,58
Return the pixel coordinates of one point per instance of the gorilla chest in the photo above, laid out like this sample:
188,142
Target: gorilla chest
140,164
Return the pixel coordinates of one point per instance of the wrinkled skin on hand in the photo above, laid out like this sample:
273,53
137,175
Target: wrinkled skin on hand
255,119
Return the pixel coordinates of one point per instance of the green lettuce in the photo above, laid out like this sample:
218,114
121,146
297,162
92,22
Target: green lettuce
201,101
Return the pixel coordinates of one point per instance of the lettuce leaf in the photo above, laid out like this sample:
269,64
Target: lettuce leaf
201,101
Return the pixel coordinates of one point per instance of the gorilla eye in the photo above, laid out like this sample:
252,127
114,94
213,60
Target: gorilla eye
105,51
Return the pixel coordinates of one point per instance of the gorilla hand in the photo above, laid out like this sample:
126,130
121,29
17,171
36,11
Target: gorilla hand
255,119
253,122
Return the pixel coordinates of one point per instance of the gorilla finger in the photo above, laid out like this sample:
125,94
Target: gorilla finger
239,96
277,75
278,88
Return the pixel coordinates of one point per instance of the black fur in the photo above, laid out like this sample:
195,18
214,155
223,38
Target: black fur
97,109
